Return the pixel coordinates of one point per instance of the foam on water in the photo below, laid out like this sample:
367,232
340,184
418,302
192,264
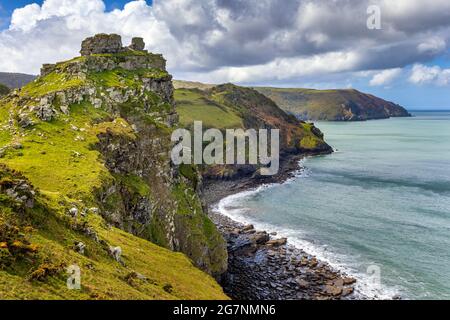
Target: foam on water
366,287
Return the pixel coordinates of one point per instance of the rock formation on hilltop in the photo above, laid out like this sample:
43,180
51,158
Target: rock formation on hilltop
109,44
102,43
92,136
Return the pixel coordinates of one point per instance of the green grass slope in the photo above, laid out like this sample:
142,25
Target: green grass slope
48,167
181,84
334,105
36,248
195,105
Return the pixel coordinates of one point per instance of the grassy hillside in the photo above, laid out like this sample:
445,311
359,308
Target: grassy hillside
336,105
37,246
194,105
230,106
180,84
84,158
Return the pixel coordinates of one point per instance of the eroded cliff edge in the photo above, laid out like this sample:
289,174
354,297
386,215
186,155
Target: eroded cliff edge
94,132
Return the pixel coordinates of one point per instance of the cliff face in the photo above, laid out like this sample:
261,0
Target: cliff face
257,111
94,132
232,107
333,105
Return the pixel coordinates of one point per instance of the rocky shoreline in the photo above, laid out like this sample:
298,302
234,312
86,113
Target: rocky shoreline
264,267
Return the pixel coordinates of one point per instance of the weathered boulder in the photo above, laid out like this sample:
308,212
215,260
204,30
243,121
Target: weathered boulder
102,43
349,281
73,212
45,112
333,290
260,237
116,253
17,189
277,242
79,247
47,69
137,44
24,120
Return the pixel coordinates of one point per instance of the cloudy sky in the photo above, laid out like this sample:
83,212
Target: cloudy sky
294,43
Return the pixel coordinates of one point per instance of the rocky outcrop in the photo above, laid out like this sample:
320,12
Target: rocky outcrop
109,44
105,54
240,107
137,44
142,193
102,43
263,267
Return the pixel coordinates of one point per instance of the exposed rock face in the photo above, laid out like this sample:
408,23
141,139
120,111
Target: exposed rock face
143,194
137,44
109,44
263,269
102,43
18,189
92,62
258,112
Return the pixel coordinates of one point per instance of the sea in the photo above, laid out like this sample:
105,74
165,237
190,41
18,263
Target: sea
378,208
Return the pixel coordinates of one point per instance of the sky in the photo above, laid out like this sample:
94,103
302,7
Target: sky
323,44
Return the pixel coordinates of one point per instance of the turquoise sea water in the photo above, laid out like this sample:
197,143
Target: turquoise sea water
381,202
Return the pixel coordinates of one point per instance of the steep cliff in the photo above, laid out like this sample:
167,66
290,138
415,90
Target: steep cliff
92,135
333,105
229,106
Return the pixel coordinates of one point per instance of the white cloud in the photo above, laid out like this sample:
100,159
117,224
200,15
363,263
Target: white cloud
433,45
25,18
283,69
421,74
28,17
385,77
236,40
54,31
